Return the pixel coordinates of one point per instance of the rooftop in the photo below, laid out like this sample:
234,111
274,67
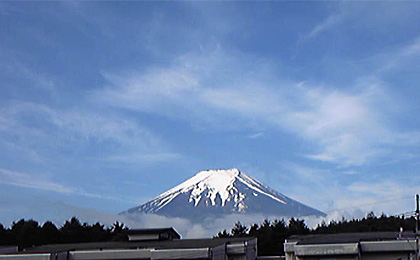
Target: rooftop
349,237
166,244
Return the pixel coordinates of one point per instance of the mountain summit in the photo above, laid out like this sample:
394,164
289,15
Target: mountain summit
215,193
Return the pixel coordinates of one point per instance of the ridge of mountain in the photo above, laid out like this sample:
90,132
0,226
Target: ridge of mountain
215,193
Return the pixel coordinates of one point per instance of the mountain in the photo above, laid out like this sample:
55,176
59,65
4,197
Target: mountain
215,193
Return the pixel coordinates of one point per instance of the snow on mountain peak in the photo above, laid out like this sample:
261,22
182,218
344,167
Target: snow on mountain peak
221,191
216,182
214,185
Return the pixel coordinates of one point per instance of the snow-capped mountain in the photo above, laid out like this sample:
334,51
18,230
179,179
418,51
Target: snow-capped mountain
215,193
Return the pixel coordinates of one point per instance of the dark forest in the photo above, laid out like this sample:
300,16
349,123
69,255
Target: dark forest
270,234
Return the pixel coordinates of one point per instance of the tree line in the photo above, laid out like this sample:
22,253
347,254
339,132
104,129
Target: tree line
272,234
27,233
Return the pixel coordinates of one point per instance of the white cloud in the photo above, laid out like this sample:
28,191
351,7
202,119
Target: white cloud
18,69
393,60
163,88
41,130
382,196
256,135
326,24
42,182
40,208
383,189
29,181
227,91
207,227
153,157
337,194
185,227
411,49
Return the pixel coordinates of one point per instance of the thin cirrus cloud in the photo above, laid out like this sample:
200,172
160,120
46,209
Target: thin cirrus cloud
42,182
30,181
326,24
346,126
347,198
384,195
396,59
39,130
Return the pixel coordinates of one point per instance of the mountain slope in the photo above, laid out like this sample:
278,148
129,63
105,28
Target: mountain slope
215,193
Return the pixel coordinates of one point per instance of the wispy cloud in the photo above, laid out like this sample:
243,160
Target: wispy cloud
48,208
385,196
141,157
32,124
326,24
16,68
256,135
396,58
344,196
347,126
42,182
29,181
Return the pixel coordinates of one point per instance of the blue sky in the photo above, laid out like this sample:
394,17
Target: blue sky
104,105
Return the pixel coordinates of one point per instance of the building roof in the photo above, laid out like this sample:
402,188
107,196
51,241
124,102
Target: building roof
349,237
166,244
8,249
171,231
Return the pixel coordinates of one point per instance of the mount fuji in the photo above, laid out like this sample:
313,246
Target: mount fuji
215,193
